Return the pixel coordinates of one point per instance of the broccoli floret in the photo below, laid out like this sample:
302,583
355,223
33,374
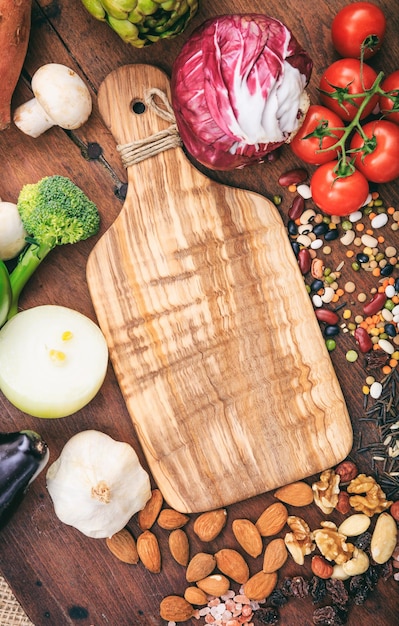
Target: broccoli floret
54,212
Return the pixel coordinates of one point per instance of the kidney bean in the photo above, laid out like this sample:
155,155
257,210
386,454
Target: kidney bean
325,315
376,304
293,177
363,339
304,260
297,208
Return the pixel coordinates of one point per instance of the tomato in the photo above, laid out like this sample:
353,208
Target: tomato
353,24
335,195
390,83
329,129
347,76
382,164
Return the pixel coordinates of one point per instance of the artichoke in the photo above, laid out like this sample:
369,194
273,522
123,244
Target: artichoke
142,22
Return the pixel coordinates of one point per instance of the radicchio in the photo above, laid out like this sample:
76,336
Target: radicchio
238,89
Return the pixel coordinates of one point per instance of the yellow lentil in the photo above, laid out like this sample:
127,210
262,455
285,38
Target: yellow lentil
347,314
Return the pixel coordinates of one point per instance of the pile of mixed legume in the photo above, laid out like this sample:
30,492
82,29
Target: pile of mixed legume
371,318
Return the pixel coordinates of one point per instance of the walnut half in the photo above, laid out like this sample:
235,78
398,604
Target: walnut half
374,499
326,490
332,544
299,542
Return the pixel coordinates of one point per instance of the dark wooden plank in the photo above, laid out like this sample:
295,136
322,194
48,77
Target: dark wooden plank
51,567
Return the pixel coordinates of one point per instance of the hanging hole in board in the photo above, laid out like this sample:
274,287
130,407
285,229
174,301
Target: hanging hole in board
138,107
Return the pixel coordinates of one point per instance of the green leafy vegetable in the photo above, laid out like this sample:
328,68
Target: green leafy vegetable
54,211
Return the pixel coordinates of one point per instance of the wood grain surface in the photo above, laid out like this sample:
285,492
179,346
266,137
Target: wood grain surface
192,287
61,577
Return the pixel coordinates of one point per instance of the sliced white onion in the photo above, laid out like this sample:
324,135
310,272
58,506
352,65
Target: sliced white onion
53,361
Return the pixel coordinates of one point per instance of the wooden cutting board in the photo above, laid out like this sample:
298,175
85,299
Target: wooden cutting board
211,332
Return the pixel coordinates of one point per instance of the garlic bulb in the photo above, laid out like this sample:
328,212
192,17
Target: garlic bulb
97,484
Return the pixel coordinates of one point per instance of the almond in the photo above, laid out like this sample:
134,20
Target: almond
169,519
147,516
248,536
179,546
175,609
295,494
214,585
149,552
208,525
275,556
272,520
200,566
123,546
232,564
195,595
321,567
260,585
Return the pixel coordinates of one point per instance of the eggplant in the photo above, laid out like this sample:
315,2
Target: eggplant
23,455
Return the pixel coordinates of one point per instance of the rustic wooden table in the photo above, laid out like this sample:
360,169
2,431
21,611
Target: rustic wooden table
59,576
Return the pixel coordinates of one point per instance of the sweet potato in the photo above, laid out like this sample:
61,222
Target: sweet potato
15,22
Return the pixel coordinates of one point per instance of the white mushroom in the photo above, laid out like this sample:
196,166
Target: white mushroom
61,99
12,232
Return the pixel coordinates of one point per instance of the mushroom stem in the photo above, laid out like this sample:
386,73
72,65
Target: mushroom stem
32,119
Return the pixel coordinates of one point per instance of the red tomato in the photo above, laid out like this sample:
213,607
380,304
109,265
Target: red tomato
350,77
335,195
353,24
390,83
381,164
328,129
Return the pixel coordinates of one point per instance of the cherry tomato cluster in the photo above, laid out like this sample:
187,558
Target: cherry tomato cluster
353,134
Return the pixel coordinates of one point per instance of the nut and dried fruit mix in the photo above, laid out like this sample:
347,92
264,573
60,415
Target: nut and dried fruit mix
337,566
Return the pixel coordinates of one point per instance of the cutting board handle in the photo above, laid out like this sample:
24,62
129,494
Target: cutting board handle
134,101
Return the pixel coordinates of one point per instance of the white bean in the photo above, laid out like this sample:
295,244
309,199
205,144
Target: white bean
379,220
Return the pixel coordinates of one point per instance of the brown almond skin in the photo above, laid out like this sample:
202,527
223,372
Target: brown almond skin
321,567
272,520
214,585
148,515
195,595
179,546
275,556
169,519
123,546
175,609
210,524
232,564
260,585
295,494
248,536
149,552
201,565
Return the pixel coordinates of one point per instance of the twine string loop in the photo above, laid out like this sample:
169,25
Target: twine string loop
136,151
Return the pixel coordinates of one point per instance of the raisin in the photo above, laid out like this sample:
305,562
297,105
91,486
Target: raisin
328,616
362,542
277,598
337,591
299,587
267,615
317,589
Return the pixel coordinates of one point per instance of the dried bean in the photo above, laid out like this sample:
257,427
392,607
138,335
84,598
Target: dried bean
293,177
325,315
376,304
331,331
297,207
363,339
331,234
304,261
